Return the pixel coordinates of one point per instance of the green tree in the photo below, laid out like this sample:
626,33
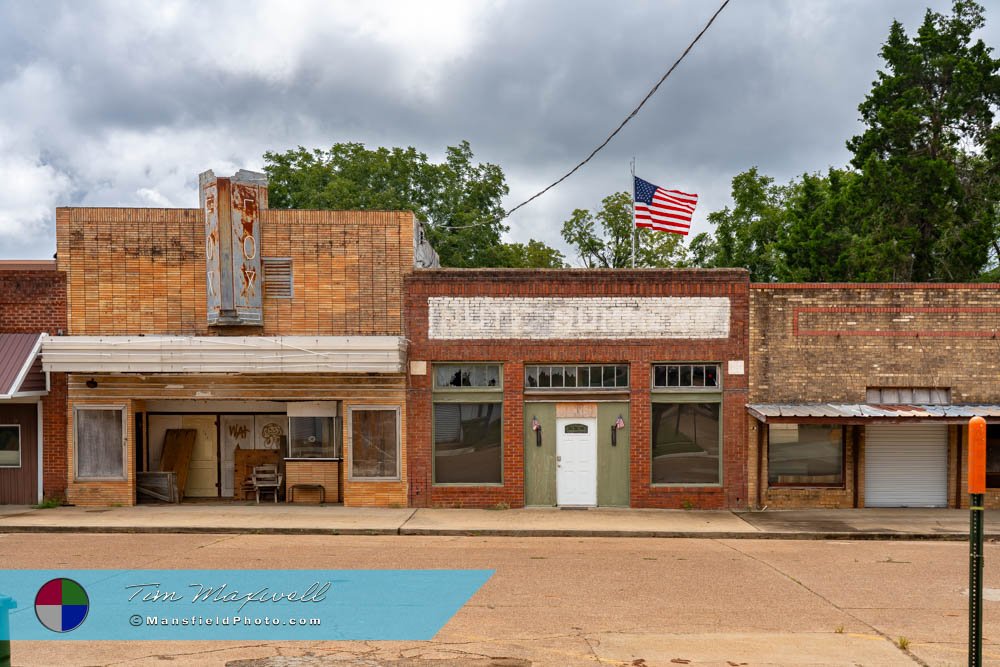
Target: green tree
919,203
457,199
604,239
927,168
745,235
533,254
817,229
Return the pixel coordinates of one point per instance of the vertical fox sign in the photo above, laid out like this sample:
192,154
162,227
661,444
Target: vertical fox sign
231,207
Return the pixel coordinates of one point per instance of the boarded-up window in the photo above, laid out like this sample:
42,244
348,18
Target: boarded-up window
100,443
277,277
375,443
10,445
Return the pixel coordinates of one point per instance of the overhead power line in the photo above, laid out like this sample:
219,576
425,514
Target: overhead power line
611,136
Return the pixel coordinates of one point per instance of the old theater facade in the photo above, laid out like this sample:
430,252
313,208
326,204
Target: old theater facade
577,388
269,337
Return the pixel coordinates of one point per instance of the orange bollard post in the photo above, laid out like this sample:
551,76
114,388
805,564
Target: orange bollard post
977,489
977,455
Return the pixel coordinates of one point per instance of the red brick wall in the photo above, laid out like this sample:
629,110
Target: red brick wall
34,301
640,354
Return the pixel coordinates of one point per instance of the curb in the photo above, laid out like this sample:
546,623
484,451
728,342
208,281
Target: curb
465,532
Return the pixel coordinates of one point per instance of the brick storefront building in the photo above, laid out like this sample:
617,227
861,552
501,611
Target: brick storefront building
861,393
269,337
577,387
32,403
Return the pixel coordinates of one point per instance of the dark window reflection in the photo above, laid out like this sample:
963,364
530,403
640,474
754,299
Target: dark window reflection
467,443
685,448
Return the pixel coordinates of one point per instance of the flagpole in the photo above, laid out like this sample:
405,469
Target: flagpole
632,222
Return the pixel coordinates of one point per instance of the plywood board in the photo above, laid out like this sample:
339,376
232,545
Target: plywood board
237,433
178,445
271,432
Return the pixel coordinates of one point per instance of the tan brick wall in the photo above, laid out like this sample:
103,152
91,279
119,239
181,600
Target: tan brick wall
323,473
133,271
829,343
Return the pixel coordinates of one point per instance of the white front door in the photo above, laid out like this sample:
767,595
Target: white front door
576,461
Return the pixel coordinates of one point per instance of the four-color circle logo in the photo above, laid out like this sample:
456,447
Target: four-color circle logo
62,605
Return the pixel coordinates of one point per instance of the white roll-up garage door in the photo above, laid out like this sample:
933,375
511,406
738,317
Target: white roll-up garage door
906,466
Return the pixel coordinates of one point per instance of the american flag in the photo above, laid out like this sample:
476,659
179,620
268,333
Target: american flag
663,210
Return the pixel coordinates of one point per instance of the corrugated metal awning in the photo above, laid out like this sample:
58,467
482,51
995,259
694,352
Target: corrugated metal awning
20,366
860,413
224,354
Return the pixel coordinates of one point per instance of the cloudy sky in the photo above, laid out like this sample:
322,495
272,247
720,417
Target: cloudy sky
124,103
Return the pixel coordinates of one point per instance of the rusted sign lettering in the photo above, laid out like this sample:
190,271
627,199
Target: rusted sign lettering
232,246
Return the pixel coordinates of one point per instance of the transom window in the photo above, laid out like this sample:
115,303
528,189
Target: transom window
905,395
576,377
686,376
465,376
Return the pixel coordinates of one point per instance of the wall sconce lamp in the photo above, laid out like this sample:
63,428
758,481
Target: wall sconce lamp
92,383
536,426
619,424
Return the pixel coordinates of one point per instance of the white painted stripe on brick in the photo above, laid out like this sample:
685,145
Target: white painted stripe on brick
577,318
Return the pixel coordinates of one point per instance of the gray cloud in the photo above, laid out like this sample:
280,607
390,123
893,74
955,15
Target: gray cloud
123,104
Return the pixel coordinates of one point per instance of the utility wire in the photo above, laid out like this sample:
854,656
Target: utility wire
611,136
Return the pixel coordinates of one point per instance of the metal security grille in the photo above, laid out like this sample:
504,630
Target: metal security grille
277,277
906,465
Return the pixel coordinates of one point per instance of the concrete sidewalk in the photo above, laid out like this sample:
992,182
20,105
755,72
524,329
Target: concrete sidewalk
861,524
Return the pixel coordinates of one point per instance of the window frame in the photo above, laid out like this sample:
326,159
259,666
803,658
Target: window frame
350,442
20,449
577,366
717,389
435,365
799,485
123,410
477,400
337,421
660,395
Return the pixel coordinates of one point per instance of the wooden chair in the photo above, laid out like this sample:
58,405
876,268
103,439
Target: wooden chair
266,479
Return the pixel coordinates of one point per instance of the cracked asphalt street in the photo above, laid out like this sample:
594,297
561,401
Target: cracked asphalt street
579,601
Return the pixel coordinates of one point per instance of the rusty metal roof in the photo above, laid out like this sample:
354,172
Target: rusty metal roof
19,370
864,412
